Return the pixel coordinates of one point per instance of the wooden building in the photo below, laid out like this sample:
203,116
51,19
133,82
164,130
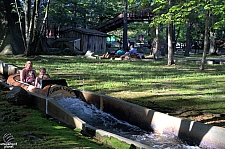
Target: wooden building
81,40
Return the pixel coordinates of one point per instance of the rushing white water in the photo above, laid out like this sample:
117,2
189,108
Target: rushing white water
101,120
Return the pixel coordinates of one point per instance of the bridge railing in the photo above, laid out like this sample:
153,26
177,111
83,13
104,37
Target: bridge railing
132,16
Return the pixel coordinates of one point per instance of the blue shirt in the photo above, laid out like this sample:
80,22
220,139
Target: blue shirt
133,51
120,52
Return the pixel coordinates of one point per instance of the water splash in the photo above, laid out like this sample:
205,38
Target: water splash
101,120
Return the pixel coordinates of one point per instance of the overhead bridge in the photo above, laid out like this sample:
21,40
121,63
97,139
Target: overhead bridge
134,16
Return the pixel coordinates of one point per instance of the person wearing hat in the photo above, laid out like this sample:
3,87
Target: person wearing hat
24,73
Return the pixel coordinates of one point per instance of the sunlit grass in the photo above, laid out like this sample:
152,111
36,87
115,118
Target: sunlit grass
182,86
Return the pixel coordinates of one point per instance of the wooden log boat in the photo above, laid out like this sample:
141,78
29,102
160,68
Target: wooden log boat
54,89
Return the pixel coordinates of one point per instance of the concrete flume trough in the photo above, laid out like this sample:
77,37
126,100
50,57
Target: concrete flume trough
203,135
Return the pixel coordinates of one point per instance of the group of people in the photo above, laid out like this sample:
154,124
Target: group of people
130,53
30,76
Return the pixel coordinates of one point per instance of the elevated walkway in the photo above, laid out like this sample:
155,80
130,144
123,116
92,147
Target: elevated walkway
133,16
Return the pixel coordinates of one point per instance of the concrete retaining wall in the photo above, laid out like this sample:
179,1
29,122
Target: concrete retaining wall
203,135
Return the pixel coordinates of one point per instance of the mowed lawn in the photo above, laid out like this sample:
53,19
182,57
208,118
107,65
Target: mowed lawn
180,90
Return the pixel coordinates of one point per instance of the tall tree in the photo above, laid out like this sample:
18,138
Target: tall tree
24,25
12,41
85,13
156,44
202,66
170,60
125,44
188,37
164,16
23,22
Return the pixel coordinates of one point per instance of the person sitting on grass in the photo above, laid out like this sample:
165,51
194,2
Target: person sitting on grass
25,71
119,52
42,76
126,54
132,53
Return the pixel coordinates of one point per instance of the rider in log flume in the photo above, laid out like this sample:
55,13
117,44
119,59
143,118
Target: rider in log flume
52,90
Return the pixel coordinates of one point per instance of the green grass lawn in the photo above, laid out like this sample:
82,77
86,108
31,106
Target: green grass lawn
181,90
147,83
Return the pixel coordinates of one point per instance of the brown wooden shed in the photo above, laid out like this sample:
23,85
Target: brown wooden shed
84,39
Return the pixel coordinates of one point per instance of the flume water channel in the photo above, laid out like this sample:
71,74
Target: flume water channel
101,120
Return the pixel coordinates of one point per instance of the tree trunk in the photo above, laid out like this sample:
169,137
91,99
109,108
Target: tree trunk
188,39
125,45
29,26
212,47
176,38
170,46
155,49
170,60
10,32
24,37
202,67
39,36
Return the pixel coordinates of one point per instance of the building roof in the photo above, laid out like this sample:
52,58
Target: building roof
84,31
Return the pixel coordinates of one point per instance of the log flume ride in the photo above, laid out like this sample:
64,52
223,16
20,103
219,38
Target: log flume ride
202,135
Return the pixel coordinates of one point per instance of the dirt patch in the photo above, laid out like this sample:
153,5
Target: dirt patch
208,118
